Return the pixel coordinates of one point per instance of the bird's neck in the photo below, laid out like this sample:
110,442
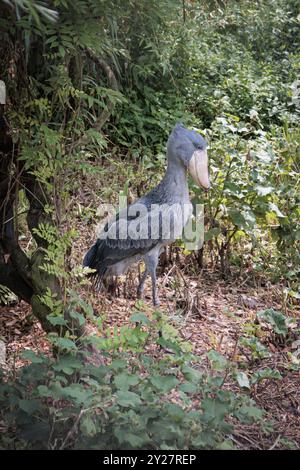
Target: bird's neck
176,179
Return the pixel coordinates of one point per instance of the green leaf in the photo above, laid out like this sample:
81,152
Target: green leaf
164,383
225,445
32,357
124,380
243,380
233,189
188,387
244,218
140,318
175,411
87,426
65,343
264,190
214,409
219,362
168,344
210,234
76,392
57,320
135,440
67,364
44,391
128,399
118,364
274,208
61,51
277,320
191,374
249,414
266,373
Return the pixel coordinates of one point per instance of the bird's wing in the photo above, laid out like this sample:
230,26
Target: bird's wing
128,234
141,226
134,232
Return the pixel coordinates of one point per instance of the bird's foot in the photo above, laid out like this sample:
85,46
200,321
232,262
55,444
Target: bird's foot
156,302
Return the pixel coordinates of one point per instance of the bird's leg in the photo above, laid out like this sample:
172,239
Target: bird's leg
141,286
151,265
155,298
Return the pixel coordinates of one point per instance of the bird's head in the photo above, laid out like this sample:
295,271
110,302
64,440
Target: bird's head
190,149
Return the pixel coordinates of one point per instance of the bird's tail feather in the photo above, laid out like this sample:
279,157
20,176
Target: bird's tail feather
90,257
93,259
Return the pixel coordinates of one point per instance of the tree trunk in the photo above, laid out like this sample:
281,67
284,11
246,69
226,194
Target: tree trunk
21,274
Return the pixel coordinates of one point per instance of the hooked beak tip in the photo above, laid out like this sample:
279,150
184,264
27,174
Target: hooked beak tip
205,188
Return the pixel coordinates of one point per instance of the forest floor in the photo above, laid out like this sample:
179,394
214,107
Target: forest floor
208,311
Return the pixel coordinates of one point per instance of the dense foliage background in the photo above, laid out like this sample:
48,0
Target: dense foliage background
98,81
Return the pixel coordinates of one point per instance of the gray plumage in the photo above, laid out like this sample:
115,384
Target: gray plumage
139,232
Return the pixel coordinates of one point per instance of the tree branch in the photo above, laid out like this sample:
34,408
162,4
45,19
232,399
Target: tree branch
104,116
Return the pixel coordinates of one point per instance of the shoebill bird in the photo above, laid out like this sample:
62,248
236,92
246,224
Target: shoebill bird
141,230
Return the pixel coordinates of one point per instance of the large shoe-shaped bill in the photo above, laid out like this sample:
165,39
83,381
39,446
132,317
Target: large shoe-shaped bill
198,168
